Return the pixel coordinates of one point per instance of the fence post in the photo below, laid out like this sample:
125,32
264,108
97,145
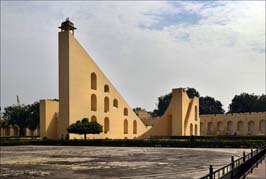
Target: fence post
251,170
244,157
211,172
251,152
233,166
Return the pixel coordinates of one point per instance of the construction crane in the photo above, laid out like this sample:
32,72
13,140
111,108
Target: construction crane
18,102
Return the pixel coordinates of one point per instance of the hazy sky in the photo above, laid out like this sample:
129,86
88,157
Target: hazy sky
145,48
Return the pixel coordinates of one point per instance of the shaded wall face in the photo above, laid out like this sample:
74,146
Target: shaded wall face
6,131
64,62
15,131
234,124
48,119
91,95
192,121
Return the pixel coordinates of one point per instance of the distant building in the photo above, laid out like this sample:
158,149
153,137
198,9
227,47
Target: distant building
240,124
13,130
7,130
142,114
234,124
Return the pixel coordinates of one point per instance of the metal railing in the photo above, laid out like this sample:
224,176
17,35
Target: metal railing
238,168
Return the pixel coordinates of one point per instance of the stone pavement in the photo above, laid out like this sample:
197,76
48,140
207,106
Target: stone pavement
260,172
83,162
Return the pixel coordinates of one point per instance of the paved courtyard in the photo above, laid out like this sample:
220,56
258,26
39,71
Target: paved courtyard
80,162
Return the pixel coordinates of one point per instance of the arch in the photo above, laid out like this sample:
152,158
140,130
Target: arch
106,104
125,126
196,113
38,131
93,81
220,126
106,89
230,126
196,129
210,127
240,125
135,127
201,127
31,132
106,125
1,131
93,102
251,126
15,131
115,103
191,129
93,118
125,112
262,125
6,131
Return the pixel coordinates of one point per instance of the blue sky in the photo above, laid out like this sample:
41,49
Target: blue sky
169,19
180,15
145,48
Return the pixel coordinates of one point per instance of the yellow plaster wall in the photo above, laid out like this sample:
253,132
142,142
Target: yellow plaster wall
64,65
192,120
75,93
259,120
48,118
177,118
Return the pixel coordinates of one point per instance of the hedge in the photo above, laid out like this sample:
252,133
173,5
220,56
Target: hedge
141,143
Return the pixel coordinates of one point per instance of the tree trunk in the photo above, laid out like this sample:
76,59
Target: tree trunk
85,136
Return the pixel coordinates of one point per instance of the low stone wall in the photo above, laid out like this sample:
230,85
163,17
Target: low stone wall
14,132
233,124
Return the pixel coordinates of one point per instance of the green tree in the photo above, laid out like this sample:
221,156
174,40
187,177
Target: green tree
247,103
260,105
163,103
23,116
33,120
192,92
17,115
96,128
208,105
85,127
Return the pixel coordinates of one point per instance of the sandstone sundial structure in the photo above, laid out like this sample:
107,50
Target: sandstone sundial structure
84,91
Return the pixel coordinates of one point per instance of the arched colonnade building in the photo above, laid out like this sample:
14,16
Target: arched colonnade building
253,123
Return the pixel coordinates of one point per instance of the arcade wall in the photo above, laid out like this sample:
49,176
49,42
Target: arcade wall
253,123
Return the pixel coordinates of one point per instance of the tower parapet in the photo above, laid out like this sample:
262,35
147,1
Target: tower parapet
67,25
